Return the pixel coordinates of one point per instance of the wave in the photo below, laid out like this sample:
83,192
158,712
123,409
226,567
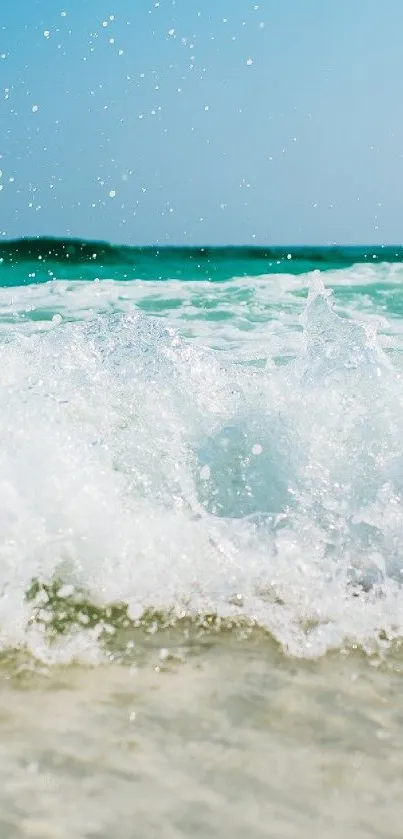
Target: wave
49,256
142,476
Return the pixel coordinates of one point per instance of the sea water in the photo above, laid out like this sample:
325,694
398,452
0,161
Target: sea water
201,543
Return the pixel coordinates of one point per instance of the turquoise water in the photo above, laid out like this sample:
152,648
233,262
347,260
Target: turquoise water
201,541
43,259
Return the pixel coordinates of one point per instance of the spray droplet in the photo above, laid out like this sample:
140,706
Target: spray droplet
257,449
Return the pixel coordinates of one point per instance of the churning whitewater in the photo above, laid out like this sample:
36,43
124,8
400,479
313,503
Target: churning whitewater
149,472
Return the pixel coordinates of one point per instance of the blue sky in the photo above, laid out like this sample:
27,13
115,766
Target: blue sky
279,121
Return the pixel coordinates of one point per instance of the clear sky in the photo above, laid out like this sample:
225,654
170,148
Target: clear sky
214,121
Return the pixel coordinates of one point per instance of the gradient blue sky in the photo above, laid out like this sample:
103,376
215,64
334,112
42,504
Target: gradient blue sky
182,121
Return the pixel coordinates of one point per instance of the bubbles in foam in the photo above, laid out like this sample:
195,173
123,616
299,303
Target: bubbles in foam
143,470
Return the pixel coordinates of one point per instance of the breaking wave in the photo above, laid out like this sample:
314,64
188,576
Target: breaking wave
145,479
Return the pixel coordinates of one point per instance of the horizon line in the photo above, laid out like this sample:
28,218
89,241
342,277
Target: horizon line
78,240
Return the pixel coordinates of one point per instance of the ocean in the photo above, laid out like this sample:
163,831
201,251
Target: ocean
201,541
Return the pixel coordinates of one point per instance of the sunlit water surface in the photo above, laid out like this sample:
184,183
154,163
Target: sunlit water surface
201,543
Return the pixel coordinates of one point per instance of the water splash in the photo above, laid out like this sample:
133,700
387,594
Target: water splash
139,470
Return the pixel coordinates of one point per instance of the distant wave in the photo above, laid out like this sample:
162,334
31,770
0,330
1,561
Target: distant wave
287,259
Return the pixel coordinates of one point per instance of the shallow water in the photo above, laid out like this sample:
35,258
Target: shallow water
201,483
225,738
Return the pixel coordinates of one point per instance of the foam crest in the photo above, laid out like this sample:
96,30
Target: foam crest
139,469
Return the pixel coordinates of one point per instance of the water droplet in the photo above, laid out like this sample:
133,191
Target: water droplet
257,449
205,473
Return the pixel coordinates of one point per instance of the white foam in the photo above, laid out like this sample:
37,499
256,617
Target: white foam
148,470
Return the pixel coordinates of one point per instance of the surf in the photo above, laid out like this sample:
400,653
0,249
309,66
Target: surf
146,475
